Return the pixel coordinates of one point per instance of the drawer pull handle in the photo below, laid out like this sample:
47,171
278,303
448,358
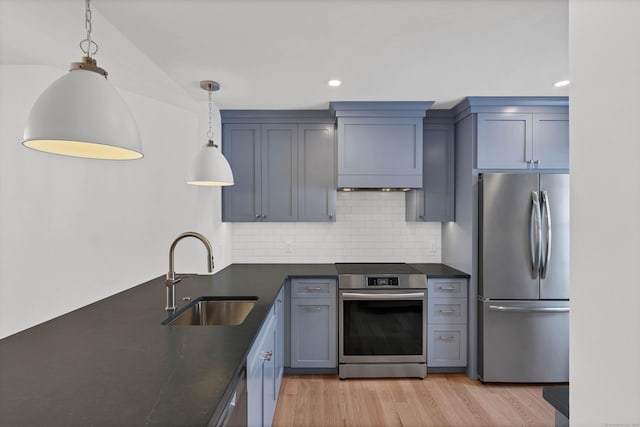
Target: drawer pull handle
313,308
313,289
447,311
447,337
447,288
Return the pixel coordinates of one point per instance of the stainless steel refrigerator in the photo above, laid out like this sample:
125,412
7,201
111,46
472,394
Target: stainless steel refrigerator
523,277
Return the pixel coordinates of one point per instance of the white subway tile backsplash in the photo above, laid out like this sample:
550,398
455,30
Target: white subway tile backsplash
369,227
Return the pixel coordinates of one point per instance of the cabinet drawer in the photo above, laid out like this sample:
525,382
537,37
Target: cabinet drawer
313,288
446,345
447,310
447,288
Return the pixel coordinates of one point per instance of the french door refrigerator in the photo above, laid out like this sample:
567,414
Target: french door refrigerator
523,277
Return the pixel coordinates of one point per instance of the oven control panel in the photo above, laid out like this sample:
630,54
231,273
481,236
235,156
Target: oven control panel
382,281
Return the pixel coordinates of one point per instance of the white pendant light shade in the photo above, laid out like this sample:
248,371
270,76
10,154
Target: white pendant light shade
210,168
82,115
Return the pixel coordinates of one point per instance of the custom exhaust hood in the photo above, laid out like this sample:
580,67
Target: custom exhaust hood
379,144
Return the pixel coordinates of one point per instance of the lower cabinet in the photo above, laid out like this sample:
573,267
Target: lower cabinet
265,365
313,323
279,307
447,323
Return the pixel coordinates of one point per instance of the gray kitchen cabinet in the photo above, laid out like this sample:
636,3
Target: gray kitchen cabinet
313,323
279,313
379,143
523,141
263,158
283,163
515,133
435,200
265,366
316,173
242,148
447,322
261,376
551,141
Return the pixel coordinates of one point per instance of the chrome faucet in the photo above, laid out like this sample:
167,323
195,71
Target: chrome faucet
172,278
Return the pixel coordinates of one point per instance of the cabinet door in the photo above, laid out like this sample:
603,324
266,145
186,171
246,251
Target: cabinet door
446,345
259,363
279,348
242,201
435,201
504,141
313,333
551,141
269,382
279,172
316,173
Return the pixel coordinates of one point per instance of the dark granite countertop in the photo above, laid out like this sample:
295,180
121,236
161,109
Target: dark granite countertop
439,270
111,363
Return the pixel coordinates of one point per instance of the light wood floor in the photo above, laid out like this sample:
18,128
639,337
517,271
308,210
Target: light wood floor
438,400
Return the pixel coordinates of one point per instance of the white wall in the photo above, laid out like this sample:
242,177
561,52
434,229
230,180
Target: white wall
73,231
605,212
369,227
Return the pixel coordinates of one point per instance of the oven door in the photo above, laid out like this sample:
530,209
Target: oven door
382,326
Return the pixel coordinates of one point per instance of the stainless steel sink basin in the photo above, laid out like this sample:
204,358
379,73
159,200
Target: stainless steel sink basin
228,311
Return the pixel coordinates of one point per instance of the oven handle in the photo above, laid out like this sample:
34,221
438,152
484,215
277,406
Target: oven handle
415,295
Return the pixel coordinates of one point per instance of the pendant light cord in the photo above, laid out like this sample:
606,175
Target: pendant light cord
88,51
210,131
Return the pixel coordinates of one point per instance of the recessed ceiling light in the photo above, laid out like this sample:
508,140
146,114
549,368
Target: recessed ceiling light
561,83
334,83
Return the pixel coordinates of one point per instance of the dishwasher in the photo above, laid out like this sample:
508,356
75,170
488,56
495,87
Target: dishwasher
234,413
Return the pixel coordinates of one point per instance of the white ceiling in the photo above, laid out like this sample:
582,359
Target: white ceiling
280,54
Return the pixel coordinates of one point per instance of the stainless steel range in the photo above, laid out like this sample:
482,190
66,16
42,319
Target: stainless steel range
382,318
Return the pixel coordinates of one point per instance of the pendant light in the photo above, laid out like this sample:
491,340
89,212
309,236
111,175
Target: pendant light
82,115
210,167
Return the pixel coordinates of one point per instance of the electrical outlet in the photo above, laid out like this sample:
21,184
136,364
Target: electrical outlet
288,247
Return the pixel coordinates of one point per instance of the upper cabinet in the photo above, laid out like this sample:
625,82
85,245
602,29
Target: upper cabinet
283,165
379,143
521,133
316,172
263,158
435,200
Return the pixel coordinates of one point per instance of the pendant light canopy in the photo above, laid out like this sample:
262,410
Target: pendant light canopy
210,167
82,115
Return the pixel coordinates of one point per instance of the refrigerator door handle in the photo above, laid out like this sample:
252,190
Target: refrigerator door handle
546,209
530,309
535,234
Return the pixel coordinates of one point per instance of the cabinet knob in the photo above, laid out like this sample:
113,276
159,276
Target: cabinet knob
330,215
257,215
264,216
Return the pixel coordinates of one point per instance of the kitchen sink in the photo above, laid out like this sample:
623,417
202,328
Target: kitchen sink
208,311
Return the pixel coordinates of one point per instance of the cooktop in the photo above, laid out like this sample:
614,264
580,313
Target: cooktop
371,268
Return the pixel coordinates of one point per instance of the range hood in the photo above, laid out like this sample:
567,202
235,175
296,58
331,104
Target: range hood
379,144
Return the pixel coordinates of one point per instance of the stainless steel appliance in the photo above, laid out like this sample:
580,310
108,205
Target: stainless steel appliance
523,277
382,312
235,410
